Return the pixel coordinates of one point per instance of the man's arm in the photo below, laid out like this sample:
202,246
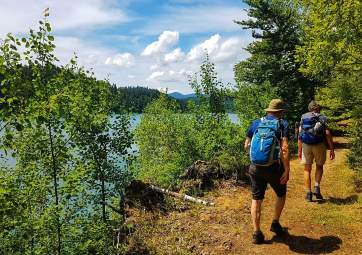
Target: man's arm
285,160
247,144
330,143
300,148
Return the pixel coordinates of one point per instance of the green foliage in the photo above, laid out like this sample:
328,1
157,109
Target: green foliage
170,141
210,91
276,26
332,37
132,99
163,140
341,96
56,125
331,53
251,100
135,99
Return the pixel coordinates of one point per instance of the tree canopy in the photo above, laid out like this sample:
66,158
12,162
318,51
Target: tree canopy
277,31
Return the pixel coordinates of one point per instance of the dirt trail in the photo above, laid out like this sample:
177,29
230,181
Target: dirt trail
331,227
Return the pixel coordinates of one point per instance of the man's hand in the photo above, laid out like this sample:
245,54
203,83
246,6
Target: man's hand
300,149
300,154
285,177
247,144
332,155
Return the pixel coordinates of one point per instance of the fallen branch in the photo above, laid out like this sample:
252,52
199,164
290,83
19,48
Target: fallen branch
181,196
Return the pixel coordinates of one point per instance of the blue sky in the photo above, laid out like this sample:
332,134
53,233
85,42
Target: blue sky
139,42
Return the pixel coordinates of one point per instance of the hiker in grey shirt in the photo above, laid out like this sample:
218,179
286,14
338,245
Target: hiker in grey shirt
314,135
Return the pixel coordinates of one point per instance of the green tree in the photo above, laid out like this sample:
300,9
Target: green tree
39,107
56,126
276,27
169,141
332,53
163,138
210,91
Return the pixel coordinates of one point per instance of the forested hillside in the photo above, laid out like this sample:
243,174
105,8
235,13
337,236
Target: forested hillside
132,99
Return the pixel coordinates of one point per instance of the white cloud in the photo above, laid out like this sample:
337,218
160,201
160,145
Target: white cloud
209,46
122,60
169,76
166,40
17,16
218,49
229,49
174,56
164,62
155,75
88,55
154,67
153,72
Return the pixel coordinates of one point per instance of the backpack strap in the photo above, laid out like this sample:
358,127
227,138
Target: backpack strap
280,129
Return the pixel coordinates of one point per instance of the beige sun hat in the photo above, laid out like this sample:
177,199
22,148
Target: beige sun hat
275,105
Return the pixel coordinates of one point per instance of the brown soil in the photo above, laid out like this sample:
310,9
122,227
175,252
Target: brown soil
332,226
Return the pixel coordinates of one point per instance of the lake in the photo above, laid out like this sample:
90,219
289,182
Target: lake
9,161
136,118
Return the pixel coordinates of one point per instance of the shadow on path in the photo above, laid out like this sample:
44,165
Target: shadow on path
343,201
307,245
342,145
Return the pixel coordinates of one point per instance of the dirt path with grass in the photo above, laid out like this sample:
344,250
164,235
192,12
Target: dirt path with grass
331,227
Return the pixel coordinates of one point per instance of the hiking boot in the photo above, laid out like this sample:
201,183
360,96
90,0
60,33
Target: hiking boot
309,196
277,228
258,237
317,192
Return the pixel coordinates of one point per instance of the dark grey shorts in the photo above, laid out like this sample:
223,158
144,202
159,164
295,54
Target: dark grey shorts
261,176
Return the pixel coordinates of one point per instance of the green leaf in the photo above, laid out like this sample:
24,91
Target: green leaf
11,37
48,27
18,126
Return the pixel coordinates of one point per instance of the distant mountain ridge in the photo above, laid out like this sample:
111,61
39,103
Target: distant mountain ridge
178,95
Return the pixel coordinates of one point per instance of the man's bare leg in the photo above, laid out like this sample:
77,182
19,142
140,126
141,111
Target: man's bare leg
256,213
307,180
318,178
275,226
279,205
318,174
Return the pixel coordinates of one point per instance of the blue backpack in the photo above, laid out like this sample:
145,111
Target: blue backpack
312,129
265,148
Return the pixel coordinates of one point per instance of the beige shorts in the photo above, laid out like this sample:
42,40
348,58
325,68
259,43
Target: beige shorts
314,151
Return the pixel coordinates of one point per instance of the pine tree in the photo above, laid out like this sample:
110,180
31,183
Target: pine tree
276,27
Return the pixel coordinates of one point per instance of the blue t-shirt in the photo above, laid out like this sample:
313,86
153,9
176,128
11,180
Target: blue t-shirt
283,126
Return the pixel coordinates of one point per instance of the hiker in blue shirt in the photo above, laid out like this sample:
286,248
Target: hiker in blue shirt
267,144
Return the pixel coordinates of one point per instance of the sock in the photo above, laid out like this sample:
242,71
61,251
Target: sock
316,184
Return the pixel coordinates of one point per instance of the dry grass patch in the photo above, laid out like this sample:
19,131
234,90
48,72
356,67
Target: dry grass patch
332,227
